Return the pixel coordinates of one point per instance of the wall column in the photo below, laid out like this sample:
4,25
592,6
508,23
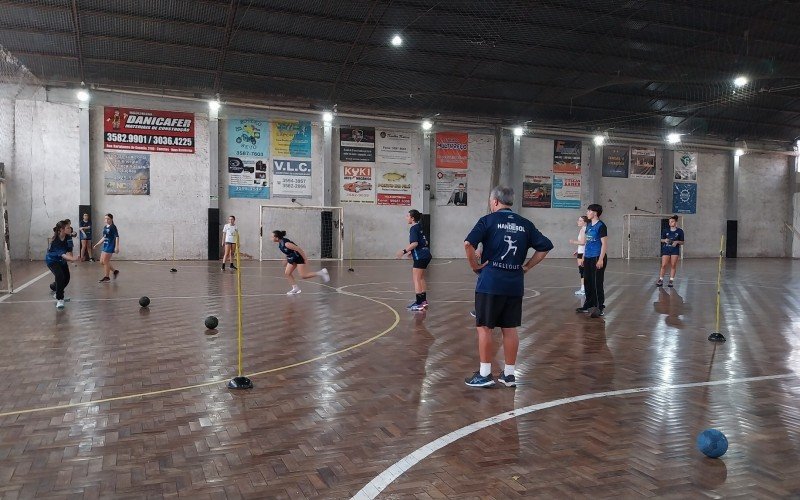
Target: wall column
213,186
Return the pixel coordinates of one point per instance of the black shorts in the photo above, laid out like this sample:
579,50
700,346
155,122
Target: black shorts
229,243
670,250
579,255
422,263
295,260
493,311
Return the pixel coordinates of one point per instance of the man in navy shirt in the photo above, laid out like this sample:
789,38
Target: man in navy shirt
506,238
594,261
671,240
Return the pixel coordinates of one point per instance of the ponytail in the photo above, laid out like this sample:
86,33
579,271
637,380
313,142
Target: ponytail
279,234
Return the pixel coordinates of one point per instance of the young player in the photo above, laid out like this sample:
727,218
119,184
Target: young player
295,259
85,231
594,260
70,247
671,240
581,241
229,237
110,241
419,250
58,253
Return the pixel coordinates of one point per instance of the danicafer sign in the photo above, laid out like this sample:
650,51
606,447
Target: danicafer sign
148,130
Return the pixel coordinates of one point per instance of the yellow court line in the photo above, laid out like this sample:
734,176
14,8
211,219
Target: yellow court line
214,382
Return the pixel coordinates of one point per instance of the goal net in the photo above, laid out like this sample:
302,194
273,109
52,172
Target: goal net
319,231
643,235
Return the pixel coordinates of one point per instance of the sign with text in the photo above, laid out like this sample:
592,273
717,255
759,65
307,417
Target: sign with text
394,185
452,150
291,178
127,173
537,191
248,138
393,146
684,197
643,163
291,138
358,183
615,161
566,191
148,130
356,143
566,157
248,178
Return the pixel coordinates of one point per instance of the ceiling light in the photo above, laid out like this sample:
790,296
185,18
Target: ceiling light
673,138
397,41
82,95
327,116
741,81
427,125
214,105
518,131
599,140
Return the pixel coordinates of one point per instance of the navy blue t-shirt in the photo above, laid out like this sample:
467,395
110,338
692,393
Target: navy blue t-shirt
111,234
676,235
506,238
56,249
86,234
594,232
290,254
422,251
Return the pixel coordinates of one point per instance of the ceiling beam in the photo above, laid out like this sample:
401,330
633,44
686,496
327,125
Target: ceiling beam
225,41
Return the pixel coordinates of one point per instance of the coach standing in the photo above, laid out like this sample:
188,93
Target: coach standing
506,238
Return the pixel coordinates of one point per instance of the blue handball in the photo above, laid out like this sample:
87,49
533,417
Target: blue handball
712,443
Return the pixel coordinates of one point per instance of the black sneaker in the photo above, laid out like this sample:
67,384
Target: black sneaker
233,266
223,267
660,283
105,279
116,272
477,381
670,284
507,380
582,310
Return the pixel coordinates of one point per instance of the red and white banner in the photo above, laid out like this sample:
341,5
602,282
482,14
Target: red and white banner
148,130
452,149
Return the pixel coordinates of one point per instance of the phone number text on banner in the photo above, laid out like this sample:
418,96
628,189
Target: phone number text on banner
148,130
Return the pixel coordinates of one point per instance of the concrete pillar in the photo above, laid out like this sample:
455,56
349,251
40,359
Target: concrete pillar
667,180
591,176
794,208
85,197
213,186
427,138
327,164
514,176
732,207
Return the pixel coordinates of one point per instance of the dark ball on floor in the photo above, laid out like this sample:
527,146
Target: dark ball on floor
211,322
712,443
144,301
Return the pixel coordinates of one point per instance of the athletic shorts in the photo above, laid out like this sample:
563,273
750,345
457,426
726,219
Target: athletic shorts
422,263
295,260
670,250
230,242
492,311
108,249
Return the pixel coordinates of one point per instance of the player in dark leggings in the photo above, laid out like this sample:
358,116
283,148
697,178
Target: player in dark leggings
58,254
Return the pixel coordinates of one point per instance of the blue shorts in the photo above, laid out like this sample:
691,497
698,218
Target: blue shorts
670,250
108,249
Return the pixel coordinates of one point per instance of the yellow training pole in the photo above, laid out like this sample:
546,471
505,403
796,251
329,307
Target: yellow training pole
240,381
716,336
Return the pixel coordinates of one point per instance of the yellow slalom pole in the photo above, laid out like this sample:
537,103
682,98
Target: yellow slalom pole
716,336
240,381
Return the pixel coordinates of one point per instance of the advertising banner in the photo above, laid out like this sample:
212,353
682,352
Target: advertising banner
451,187
148,130
248,178
248,138
566,191
685,166
127,173
566,157
291,178
356,144
615,161
537,191
452,150
358,183
393,146
394,185
684,198
643,163
291,139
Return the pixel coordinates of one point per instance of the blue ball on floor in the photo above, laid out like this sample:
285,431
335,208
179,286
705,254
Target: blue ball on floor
712,443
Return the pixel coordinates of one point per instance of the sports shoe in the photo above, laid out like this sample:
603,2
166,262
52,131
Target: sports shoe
233,266
507,380
293,291
105,279
472,313
582,310
420,307
670,284
60,304
223,267
477,381
580,292
411,305
326,277
660,282
116,272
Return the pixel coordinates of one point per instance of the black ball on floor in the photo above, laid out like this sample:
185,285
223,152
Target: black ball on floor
211,322
594,312
144,301
173,270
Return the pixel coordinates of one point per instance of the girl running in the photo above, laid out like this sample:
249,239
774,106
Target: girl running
110,243
295,259
58,253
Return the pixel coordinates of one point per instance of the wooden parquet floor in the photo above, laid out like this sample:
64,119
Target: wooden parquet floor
105,399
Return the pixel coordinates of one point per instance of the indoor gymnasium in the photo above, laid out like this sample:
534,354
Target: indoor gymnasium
399,249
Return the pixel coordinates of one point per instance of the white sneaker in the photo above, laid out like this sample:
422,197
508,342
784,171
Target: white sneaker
60,304
293,291
580,292
325,276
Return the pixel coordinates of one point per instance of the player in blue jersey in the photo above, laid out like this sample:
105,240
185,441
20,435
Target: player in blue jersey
419,250
506,238
58,253
594,260
85,232
110,243
295,259
70,247
671,240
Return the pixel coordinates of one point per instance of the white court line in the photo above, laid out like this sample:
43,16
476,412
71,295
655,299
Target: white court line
385,478
26,285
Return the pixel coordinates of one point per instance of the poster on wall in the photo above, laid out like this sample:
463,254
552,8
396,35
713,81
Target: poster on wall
685,166
247,178
643,163
148,130
358,183
537,191
127,173
452,150
291,178
615,161
291,139
566,157
566,191
394,185
393,146
684,198
248,138
356,143
451,187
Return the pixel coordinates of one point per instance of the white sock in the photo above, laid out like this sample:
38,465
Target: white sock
660,278
295,287
508,370
486,369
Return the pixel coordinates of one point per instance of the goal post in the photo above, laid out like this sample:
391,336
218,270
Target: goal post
319,231
642,235
6,279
